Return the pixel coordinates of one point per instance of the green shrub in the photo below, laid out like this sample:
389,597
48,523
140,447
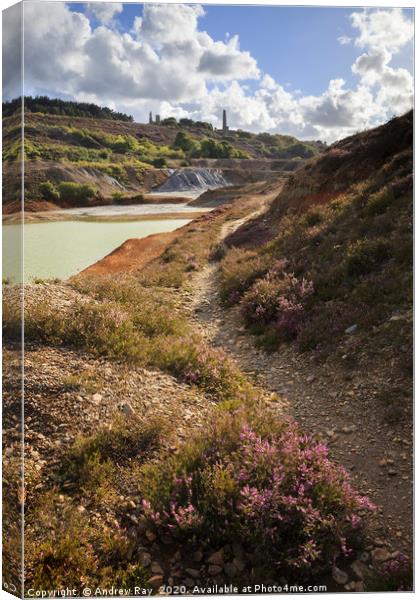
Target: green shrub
210,148
49,191
117,197
159,163
76,192
313,217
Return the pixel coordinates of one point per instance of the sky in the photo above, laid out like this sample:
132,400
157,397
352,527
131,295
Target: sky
313,72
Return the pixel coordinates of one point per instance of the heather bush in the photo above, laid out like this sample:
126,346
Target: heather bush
260,304
238,271
121,441
198,364
277,299
313,217
263,484
102,328
92,461
152,312
328,321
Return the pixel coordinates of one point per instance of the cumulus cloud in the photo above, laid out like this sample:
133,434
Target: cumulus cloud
221,60
12,51
166,24
383,33
105,12
168,64
386,28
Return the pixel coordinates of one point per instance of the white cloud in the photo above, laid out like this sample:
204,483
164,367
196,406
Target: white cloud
221,60
383,33
386,29
12,51
167,64
168,23
54,41
344,40
105,12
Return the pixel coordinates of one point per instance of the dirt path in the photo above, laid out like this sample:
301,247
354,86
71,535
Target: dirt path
339,404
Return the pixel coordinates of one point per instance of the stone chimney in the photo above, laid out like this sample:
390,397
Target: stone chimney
225,127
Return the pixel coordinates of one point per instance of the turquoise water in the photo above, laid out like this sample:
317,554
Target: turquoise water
63,248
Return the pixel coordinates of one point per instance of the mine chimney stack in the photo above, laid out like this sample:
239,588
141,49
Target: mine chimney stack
225,127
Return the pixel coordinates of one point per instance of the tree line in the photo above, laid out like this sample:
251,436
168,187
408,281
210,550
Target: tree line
68,108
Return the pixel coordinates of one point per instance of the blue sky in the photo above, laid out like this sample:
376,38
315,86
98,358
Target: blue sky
313,72
296,45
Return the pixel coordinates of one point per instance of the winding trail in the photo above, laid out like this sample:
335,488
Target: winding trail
329,399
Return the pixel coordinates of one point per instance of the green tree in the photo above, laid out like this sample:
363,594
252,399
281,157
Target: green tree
183,141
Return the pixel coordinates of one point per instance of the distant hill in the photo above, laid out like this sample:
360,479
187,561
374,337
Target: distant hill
90,145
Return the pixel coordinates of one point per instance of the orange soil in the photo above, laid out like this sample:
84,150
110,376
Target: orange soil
132,255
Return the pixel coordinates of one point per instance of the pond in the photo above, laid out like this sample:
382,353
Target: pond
60,249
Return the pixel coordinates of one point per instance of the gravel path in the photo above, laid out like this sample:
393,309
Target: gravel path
331,400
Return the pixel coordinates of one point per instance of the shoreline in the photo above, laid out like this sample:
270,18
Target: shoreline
52,217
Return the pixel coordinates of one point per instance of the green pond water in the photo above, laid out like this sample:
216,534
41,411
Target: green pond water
63,248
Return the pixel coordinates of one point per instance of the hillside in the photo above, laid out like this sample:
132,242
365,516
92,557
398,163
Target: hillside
111,160
328,266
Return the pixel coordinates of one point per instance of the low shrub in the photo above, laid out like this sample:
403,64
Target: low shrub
328,321
49,191
91,461
64,548
159,163
238,271
263,484
363,256
395,575
313,217
277,299
380,201
76,192
117,197
198,364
